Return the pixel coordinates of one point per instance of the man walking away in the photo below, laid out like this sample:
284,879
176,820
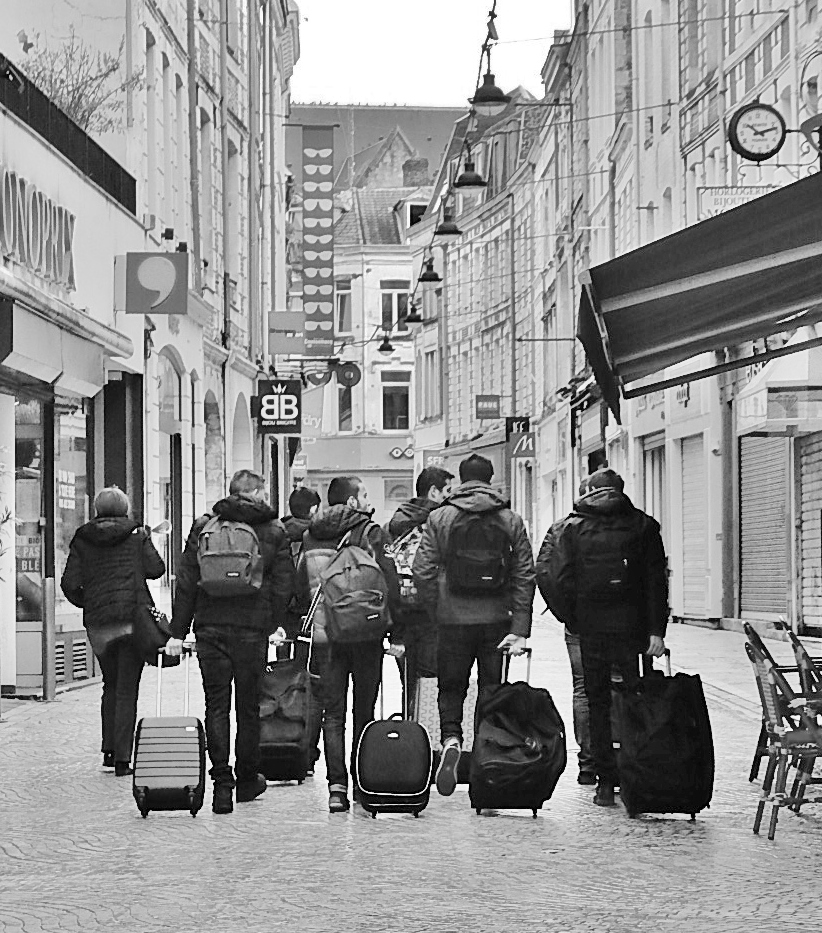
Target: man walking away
234,614
349,513
475,573
582,726
610,585
433,486
303,504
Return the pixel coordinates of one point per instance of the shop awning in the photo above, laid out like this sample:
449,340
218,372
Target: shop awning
750,272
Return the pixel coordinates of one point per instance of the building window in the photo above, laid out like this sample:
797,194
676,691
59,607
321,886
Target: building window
396,386
395,305
344,322
345,419
416,213
397,490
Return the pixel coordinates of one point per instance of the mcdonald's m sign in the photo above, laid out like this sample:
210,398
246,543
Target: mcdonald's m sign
522,446
278,407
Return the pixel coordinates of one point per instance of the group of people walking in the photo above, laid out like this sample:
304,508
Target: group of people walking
473,577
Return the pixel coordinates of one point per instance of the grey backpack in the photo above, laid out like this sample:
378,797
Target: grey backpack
231,563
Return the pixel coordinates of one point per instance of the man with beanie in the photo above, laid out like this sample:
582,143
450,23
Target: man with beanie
232,637
582,723
474,571
610,586
303,505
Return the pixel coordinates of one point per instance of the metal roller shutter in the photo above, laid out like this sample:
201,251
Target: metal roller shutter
763,527
694,528
810,452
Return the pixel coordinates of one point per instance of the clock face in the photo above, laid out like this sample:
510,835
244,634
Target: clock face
757,132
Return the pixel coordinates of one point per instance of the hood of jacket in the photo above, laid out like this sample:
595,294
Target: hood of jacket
244,509
477,497
335,521
107,531
295,528
602,502
411,515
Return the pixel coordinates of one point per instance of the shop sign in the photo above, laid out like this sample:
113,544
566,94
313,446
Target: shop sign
278,407
66,490
156,283
318,239
36,231
522,446
433,458
519,425
487,407
717,199
27,550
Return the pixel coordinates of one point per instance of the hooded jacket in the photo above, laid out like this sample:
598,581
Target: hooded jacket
514,604
108,556
410,515
326,530
265,610
295,528
601,520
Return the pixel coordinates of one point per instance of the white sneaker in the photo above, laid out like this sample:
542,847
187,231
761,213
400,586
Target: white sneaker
446,779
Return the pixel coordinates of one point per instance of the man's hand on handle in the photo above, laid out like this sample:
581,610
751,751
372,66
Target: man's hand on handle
174,647
512,644
656,646
396,650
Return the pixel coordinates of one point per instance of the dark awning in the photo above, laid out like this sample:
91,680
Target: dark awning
750,272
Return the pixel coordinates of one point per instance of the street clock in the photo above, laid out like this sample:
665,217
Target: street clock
757,131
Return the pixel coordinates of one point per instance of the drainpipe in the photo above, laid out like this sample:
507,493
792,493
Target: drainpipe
254,310
443,341
192,145
226,341
512,269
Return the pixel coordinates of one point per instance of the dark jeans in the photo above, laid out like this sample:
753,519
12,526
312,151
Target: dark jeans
459,646
582,721
599,654
122,668
361,662
237,656
420,658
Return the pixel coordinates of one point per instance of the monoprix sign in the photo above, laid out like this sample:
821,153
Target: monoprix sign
278,407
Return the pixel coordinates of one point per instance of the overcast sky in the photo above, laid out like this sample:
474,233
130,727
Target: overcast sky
423,52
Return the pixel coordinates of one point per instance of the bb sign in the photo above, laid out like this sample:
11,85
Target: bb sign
278,407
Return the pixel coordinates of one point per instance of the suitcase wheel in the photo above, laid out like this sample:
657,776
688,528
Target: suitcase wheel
373,816
416,815
144,813
478,810
533,814
299,780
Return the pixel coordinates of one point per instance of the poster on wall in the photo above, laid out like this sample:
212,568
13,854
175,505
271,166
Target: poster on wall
318,239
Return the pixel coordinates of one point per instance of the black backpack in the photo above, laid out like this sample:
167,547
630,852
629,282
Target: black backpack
479,554
609,558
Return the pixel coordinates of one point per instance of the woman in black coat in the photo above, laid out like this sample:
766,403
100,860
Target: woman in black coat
109,559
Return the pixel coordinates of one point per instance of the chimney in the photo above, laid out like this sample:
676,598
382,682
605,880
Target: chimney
415,173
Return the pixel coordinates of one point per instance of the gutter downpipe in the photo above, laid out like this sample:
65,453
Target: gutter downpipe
226,335
191,48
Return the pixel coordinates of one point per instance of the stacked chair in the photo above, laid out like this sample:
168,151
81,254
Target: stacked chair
791,736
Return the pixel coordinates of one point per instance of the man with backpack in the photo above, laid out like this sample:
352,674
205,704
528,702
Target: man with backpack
608,577
303,504
582,726
405,532
344,559
234,580
474,571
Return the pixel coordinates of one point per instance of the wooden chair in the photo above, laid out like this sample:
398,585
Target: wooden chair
793,738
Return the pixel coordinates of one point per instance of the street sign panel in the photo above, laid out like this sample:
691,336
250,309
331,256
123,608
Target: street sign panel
517,425
278,407
522,446
488,407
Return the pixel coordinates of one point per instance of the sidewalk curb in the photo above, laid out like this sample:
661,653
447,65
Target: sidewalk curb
36,703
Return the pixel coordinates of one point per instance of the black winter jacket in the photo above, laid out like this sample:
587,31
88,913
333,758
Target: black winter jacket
644,611
326,530
107,557
265,610
410,515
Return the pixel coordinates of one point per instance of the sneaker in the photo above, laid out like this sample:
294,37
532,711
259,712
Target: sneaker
587,778
223,799
338,802
122,769
446,779
108,759
604,797
250,790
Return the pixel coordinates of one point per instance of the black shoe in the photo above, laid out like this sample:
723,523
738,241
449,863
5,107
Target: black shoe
604,797
338,802
108,759
446,779
122,769
250,790
587,778
223,799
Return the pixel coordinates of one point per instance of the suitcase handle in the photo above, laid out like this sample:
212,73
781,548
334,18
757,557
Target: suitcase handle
646,663
507,664
188,651
404,714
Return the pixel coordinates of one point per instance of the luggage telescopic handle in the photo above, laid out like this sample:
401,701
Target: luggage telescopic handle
188,651
507,665
404,685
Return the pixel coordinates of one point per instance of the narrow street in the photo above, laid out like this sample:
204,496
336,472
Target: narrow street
76,856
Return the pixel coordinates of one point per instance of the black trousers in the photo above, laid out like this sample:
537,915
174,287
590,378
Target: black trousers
122,668
235,657
601,653
459,646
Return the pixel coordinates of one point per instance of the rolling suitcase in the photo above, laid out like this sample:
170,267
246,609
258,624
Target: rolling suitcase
666,754
394,763
285,701
427,713
169,756
519,747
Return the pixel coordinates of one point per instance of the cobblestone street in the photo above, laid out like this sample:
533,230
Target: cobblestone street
76,856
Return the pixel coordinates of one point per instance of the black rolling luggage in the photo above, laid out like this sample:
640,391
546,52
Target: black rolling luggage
169,756
519,747
394,763
666,753
285,701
